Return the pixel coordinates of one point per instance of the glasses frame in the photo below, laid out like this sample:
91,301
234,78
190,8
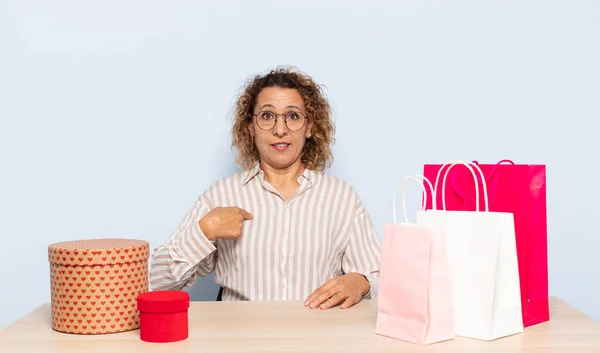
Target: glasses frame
285,121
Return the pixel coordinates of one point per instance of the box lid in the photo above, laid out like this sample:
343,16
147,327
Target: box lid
98,251
163,301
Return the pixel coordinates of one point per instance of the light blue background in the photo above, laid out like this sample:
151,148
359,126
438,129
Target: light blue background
115,115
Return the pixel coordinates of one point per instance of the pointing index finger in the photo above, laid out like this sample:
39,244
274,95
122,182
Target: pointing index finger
246,214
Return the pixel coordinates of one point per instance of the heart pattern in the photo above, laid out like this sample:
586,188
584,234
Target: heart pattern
97,296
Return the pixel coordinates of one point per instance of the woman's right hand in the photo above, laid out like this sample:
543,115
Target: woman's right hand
224,222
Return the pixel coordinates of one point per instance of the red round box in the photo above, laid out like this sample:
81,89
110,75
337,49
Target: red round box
163,315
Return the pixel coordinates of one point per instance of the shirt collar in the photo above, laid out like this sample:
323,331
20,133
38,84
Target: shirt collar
251,173
310,175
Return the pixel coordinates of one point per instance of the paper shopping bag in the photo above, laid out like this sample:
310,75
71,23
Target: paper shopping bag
483,260
519,189
414,302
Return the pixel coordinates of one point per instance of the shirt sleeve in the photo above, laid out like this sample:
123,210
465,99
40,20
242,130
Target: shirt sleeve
363,251
186,255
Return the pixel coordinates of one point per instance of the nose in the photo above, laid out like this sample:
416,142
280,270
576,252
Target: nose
280,129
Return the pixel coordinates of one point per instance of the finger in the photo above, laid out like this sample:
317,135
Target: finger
350,301
327,285
246,214
333,301
325,295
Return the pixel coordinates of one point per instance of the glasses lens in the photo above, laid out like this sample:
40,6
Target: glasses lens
295,121
265,120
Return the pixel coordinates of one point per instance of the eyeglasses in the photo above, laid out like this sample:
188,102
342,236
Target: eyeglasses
293,120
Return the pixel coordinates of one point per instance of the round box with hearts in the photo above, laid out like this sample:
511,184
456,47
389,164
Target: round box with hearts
95,283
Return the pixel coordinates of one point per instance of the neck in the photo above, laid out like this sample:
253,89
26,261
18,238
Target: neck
285,176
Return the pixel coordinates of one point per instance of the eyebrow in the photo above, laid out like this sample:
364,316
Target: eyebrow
272,106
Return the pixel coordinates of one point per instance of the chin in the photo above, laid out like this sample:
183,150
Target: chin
280,163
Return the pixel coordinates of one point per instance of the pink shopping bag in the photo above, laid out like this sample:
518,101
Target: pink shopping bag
519,189
415,301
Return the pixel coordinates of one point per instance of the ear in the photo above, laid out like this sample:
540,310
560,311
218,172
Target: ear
309,129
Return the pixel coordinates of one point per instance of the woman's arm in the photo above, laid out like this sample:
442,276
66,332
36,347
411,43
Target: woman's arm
363,252
360,265
187,254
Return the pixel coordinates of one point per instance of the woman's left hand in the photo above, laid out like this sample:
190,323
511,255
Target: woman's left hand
347,289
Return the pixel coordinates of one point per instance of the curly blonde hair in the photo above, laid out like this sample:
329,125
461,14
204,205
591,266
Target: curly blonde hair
317,149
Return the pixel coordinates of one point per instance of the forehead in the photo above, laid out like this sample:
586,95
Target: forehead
279,97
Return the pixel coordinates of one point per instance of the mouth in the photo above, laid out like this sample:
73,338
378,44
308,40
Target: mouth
280,146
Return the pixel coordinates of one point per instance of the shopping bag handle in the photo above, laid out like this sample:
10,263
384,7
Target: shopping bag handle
492,174
421,180
471,166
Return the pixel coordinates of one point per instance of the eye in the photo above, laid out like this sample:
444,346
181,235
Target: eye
267,116
293,116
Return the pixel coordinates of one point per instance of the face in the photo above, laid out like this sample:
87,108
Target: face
279,147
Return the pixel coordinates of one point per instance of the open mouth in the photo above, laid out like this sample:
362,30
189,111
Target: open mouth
280,146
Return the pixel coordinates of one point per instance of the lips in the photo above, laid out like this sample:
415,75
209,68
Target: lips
280,146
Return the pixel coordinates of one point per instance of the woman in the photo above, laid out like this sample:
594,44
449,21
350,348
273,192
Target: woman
281,229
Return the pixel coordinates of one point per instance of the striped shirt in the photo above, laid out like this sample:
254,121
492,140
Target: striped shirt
289,248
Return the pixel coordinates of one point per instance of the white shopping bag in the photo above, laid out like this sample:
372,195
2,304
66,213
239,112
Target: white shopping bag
483,261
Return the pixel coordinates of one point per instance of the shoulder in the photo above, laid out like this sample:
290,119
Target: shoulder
338,185
223,187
